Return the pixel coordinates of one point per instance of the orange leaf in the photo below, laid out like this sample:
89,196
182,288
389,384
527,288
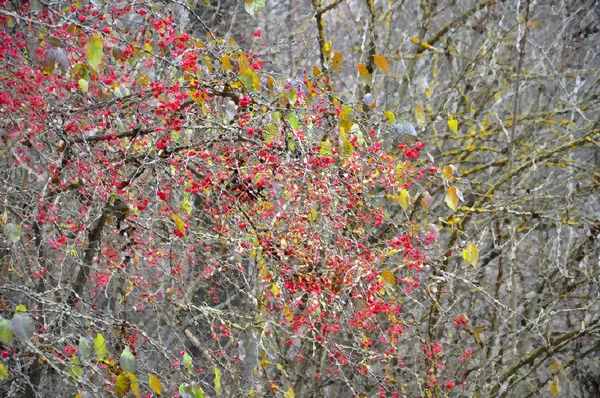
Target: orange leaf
389,278
337,62
381,63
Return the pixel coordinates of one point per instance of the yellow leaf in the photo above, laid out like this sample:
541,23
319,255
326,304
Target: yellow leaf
122,385
83,85
388,278
287,313
289,393
337,62
95,51
381,63
100,347
555,366
217,381
389,116
471,254
155,384
226,63
135,385
178,223
274,289
453,124
316,71
404,199
555,387
419,113
452,197
3,372
263,361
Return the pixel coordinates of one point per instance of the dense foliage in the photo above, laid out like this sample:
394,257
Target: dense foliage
179,219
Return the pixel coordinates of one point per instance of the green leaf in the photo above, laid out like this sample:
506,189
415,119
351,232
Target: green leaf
13,232
75,370
21,309
293,119
23,326
100,347
198,393
3,372
95,51
85,349
254,6
83,85
218,381
6,333
127,361
187,362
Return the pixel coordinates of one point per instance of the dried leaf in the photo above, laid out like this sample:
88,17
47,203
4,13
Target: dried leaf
426,200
